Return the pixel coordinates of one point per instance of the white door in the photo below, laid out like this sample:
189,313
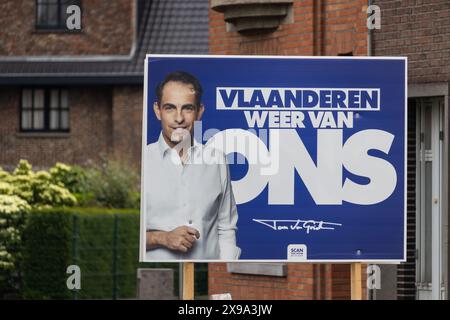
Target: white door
429,194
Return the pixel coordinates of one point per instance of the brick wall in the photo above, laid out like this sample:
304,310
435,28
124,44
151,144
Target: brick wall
107,28
419,30
302,282
105,122
320,28
89,140
127,124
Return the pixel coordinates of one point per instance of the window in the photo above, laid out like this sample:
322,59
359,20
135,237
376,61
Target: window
44,110
52,14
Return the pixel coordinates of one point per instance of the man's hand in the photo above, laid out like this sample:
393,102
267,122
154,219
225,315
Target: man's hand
179,239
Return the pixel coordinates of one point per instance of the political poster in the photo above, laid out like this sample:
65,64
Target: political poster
267,158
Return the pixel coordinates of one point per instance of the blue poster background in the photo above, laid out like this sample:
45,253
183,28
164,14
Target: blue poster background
369,232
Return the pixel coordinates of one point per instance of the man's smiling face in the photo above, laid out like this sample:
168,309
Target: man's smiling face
177,111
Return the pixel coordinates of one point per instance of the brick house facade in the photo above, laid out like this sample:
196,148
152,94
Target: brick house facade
101,23
89,139
100,67
420,30
311,28
317,28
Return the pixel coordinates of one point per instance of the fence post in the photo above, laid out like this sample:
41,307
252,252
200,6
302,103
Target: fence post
75,247
115,256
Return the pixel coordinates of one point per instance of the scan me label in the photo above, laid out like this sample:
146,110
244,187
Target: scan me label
297,252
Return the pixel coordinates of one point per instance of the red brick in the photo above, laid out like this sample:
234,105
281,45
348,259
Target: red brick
108,28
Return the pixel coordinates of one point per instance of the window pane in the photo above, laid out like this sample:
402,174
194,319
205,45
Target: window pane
63,13
64,99
27,99
54,120
41,14
26,120
64,120
54,103
39,99
38,121
48,14
52,14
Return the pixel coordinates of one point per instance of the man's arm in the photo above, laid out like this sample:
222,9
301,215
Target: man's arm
227,218
179,239
155,239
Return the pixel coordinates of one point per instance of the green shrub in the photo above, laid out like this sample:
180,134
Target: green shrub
103,243
38,189
112,185
71,177
46,254
12,213
38,242
19,192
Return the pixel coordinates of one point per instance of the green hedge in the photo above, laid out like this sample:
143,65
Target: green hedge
56,238
104,243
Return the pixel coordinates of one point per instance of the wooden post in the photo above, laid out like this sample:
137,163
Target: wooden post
188,281
355,280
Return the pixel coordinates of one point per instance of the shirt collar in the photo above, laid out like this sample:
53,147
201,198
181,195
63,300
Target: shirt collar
162,144
164,147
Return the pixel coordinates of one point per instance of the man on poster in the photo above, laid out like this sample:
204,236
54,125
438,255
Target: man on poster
190,208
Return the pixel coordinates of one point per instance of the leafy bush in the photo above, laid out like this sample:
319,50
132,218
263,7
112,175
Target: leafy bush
19,192
71,177
75,179
112,185
12,215
38,189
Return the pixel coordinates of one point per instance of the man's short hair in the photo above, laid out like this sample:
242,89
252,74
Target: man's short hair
183,77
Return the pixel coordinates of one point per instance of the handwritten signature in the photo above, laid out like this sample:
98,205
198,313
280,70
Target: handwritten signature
308,225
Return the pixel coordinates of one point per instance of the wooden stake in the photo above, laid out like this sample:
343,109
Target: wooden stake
356,283
188,281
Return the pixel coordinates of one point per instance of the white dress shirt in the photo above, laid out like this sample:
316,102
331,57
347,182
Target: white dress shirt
195,194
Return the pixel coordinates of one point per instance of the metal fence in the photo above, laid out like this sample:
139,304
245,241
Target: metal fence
123,281
106,249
